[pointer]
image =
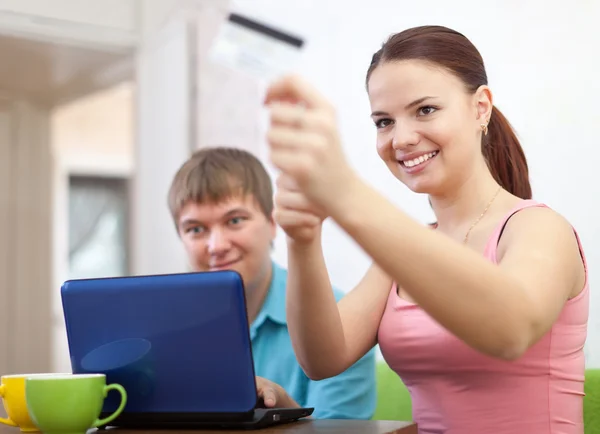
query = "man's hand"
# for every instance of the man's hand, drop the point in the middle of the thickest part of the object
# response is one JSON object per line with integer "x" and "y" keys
{"x": 273, "y": 395}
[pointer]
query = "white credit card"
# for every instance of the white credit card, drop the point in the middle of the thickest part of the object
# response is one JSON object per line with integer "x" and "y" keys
{"x": 255, "y": 48}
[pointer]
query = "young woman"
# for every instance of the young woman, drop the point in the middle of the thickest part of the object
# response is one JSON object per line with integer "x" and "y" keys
{"x": 484, "y": 314}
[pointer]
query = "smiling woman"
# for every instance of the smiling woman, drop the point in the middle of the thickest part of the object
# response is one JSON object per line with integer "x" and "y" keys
{"x": 484, "y": 317}
{"x": 438, "y": 118}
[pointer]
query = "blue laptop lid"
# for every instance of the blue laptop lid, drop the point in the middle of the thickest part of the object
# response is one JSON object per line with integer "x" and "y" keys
{"x": 178, "y": 343}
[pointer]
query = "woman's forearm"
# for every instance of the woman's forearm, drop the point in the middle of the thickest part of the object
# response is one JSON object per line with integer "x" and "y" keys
{"x": 314, "y": 321}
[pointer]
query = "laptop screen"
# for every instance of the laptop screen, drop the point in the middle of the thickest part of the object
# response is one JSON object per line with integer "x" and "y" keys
{"x": 178, "y": 343}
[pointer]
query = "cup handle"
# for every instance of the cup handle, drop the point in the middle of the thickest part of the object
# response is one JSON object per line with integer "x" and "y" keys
{"x": 6, "y": 421}
{"x": 118, "y": 411}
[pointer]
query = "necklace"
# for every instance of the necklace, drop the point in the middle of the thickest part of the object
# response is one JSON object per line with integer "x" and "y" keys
{"x": 481, "y": 215}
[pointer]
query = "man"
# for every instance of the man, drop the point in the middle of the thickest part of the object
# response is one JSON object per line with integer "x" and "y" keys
{"x": 221, "y": 201}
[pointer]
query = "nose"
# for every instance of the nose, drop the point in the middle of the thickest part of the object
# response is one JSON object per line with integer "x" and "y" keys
{"x": 218, "y": 244}
{"x": 405, "y": 136}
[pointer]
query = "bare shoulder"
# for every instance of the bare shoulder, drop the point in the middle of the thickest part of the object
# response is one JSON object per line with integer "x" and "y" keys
{"x": 537, "y": 224}
{"x": 539, "y": 235}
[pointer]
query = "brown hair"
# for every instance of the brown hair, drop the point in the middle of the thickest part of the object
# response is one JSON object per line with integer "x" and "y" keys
{"x": 452, "y": 51}
{"x": 212, "y": 175}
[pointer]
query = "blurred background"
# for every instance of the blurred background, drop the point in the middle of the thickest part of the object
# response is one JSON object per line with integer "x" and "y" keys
{"x": 102, "y": 100}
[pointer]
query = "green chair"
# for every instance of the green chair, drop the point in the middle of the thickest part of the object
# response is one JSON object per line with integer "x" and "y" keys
{"x": 393, "y": 399}
{"x": 591, "y": 402}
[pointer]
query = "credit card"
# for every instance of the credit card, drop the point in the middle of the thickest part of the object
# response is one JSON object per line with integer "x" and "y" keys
{"x": 256, "y": 48}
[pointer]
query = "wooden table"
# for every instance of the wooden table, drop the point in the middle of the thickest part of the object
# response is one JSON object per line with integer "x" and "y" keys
{"x": 328, "y": 426}
{"x": 301, "y": 427}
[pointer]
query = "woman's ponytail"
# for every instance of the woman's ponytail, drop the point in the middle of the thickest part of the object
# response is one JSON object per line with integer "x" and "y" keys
{"x": 505, "y": 157}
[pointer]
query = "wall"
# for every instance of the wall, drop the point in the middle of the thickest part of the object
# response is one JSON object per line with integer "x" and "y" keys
{"x": 96, "y": 133}
{"x": 163, "y": 142}
{"x": 25, "y": 236}
{"x": 109, "y": 23}
{"x": 117, "y": 14}
{"x": 91, "y": 136}
{"x": 227, "y": 100}
{"x": 543, "y": 80}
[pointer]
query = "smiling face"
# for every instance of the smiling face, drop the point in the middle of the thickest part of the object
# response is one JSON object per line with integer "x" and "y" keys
{"x": 230, "y": 235}
{"x": 221, "y": 201}
{"x": 428, "y": 124}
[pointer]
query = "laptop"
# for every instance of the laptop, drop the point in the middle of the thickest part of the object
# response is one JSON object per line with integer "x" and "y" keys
{"x": 179, "y": 344}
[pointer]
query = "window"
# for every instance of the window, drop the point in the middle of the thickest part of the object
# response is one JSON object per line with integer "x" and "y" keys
{"x": 98, "y": 227}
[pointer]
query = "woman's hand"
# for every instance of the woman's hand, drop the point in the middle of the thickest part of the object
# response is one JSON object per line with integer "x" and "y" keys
{"x": 300, "y": 220}
{"x": 273, "y": 395}
{"x": 304, "y": 142}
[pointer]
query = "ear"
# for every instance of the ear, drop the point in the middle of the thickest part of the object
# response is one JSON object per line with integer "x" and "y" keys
{"x": 273, "y": 225}
{"x": 484, "y": 103}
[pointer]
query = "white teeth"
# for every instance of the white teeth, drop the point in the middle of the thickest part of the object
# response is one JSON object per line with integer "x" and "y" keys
{"x": 419, "y": 160}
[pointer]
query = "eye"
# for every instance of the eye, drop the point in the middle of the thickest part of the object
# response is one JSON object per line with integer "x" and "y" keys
{"x": 426, "y": 110}
{"x": 194, "y": 230}
{"x": 382, "y": 123}
{"x": 235, "y": 221}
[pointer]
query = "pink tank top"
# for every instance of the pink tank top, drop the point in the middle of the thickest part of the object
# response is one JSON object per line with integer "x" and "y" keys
{"x": 457, "y": 390}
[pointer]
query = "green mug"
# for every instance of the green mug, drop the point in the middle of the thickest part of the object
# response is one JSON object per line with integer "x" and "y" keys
{"x": 70, "y": 404}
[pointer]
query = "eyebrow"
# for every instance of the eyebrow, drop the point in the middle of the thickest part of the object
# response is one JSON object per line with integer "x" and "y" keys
{"x": 407, "y": 107}
{"x": 189, "y": 222}
{"x": 238, "y": 210}
{"x": 193, "y": 221}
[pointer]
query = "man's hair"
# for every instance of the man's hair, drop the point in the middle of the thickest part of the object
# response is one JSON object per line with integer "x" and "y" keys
{"x": 216, "y": 174}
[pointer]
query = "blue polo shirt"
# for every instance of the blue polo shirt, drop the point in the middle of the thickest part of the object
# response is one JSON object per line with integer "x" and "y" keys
{"x": 350, "y": 395}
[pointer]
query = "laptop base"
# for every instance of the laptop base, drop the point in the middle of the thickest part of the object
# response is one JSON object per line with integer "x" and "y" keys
{"x": 258, "y": 419}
